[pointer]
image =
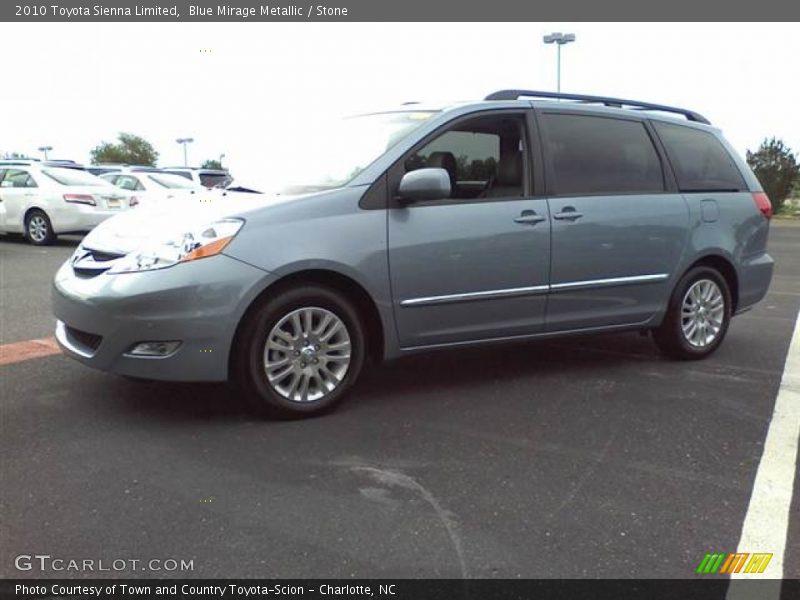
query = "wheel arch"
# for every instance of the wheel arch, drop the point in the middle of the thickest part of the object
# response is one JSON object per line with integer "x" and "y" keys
{"x": 724, "y": 266}
{"x": 347, "y": 286}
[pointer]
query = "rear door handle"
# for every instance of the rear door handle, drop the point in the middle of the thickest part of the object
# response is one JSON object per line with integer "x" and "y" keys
{"x": 568, "y": 213}
{"x": 529, "y": 217}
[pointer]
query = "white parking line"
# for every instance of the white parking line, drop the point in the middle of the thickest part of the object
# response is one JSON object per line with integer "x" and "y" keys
{"x": 766, "y": 524}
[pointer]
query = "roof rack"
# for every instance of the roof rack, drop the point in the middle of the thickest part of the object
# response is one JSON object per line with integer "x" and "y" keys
{"x": 606, "y": 101}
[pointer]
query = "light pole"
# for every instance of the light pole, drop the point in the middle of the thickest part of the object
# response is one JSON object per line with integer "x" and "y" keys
{"x": 221, "y": 156}
{"x": 185, "y": 141}
{"x": 45, "y": 149}
{"x": 560, "y": 39}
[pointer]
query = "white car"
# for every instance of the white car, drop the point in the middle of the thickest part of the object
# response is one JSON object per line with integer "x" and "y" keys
{"x": 42, "y": 201}
{"x": 154, "y": 187}
{"x": 209, "y": 178}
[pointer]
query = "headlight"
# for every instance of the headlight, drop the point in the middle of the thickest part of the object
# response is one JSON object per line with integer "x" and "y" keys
{"x": 200, "y": 242}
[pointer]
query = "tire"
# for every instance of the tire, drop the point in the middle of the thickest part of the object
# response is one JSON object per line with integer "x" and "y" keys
{"x": 38, "y": 229}
{"x": 309, "y": 373}
{"x": 696, "y": 302}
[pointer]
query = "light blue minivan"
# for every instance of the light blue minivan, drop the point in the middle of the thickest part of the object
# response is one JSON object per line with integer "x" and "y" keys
{"x": 522, "y": 216}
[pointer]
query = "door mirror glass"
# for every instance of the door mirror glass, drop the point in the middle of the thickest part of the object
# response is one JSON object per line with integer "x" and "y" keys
{"x": 425, "y": 184}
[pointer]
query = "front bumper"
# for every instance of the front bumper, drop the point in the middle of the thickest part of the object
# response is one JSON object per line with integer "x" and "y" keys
{"x": 199, "y": 303}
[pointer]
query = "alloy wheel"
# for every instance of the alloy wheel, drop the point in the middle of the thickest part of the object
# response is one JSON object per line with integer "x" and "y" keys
{"x": 37, "y": 228}
{"x": 702, "y": 313}
{"x": 307, "y": 354}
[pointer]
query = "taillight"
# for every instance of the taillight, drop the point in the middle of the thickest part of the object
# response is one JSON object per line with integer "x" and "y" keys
{"x": 80, "y": 199}
{"x": 134, "y": 201}
{"x": 763, "y": 204}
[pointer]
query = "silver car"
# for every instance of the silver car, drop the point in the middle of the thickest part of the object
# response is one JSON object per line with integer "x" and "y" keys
{"x": 514, "y": 218}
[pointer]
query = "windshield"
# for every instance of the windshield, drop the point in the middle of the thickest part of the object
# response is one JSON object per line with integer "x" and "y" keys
{"x": 330, "y": 156}
{"x": 74, "y": 177}
{"x": 168, "y": 180}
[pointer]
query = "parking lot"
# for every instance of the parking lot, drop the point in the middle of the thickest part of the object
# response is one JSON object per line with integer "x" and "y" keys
{"x": 587, "y": 457}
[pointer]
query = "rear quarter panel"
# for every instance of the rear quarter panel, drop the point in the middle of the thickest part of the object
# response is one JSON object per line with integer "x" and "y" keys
{"x": 730, "y": 225}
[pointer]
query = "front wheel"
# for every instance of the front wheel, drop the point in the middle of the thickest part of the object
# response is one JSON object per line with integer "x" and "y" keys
{"x": 698, "y": 315}
{"x": 299, "y": 352}
{"x": 38, "y": 229}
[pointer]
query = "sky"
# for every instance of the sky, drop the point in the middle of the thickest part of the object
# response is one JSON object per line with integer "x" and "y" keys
{"x": 242, "y": 89}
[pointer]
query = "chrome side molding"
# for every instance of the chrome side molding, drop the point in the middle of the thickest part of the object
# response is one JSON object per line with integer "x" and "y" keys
{"x": 534, "y": 290}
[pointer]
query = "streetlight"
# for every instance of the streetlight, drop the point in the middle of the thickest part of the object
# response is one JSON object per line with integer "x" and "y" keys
{"x": 185, "y": 141}
{"x": 221, "y": 156}
{"x": 45, "y": 149}
{"x": 561, "y": 39}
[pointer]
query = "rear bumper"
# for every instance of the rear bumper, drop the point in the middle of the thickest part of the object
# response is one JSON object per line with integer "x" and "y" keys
{"x": 755, "y": 275}
{"x": 199, "y": 304}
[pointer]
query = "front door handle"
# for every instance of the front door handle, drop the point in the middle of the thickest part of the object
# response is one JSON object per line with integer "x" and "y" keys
{"x": 529, "y": 217}
{"x": 568, "y": 213}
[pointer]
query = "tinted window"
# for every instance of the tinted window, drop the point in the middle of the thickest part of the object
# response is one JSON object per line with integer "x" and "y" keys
{"x": 700, "y": 161}
{"x": 214, "y": 179}
{"x": 597, "y": 155}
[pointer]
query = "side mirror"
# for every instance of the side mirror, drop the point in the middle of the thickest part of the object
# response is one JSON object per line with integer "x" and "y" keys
{"x": 425, "y": 184}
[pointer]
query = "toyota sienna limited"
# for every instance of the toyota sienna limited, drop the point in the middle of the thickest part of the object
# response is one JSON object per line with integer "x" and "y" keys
{"x": 523, "y": 216}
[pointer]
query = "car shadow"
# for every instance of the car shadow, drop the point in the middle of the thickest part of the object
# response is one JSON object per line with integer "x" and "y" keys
{"x": 62, "y": 241}
{"x": 448, "y": 373}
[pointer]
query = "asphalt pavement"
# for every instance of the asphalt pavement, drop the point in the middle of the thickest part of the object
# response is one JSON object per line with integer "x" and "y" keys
{"x": 581, "y": 457}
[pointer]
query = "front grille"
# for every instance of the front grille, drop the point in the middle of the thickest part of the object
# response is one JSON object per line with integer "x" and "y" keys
{"x": 89, "y": 262}
{"x": 90, "y": 341}
{"x": 100, "y": 256}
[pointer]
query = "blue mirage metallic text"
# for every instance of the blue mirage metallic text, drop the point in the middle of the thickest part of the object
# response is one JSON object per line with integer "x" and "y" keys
{"x": 267, "y": 10}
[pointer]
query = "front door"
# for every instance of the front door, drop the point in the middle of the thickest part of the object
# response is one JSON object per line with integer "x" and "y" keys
{"x": 474, "y": 265}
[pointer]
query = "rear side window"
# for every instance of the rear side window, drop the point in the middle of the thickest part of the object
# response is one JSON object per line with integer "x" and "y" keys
{"x": 700, "y": 161}
{"x": 600, "y": 155}
{"x": 16, "y": 178}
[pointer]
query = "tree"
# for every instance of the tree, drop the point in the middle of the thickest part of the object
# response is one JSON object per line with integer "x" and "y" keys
{"x": 131, "y": 150}
{"x": 776, "y": 168}
{"x": 211, "y": 164}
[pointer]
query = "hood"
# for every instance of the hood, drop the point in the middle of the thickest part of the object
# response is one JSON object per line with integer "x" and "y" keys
{"x": 128, "y": 231}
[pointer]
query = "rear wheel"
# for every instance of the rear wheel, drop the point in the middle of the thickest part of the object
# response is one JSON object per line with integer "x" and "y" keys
{"x": 299, "y": 352}
{"x": 38, "y": 229}
{"x": 698, "y": 316}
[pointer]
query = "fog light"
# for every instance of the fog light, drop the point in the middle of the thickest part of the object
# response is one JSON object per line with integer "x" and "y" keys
{"x": 154, "y": 348}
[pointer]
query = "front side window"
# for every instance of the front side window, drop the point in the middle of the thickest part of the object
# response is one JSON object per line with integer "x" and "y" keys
{"x": 485, "y": 157}
{"x": 700, "y": 161}
{"x": 600, "y": 155}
